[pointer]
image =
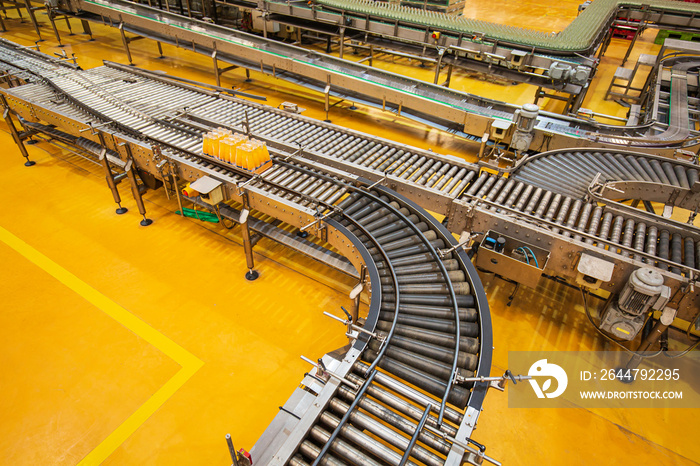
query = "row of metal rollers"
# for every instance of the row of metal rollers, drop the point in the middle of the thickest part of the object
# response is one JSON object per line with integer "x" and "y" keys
{"x": 140, "y": 113}
{"x": 134, "y": 101}
{"x": 419, "y": 168}
{"x": 609, "y": 229}
{"x": 420, "y": 353}
{"x": 572, "y": 172}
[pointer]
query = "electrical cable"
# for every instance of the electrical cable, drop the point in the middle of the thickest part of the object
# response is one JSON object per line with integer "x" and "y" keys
{"x": 525, "y": 248}
{"x": 527, "y": 259}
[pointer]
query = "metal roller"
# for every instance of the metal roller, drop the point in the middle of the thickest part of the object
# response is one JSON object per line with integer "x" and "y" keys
{"x": 297, "y": 460}
{"x": 389, "y": 224}
{"x": 605, "y": 229}
{"x": 659, "y": 171}
{"x": 458, "y": 396}
{"x": 364, "y": 441}
{"x": 437, "y": 312}
{"x": 639, "y": 170}
{"x": 682, "y": 176}
{"x": 523, "y": 198}
{"x": 533, "y": 201}
{"x": 455, "y": 276}
{"x": 449, "y": 265}
{"x": 402, "y": 234}
{"x": 650, "y": 247}
{"x": 616, "y": 231}
{"x": 676, "y": 252}
{"x": 514, "y": 194}
{"x": 465, "y": 359}
{"x": 461, "y": 180}
{"x": 689, "y": 252}
{"x": 474, "y": 188}
{"x": 399, "y": 404}
{"x": 392, "y": 418}
{"x": 468, "y": 344}
{"x": 416, "y": 361}
{"x": 563, "y": 210}
{"x": 410, "y": 170}
{"x": 628, "y": 236}
{"x": 664, "y": 246}
{"x": 463, "y": 301}
{"x": 505, "y": 191}
{"x": 639, "y": 238}
{"x": 415, "y": 249}
{"x": 367, "y": 423}
{"x": 486, "y": 187}
{"x": 461, "y": 288}
{"x": 692, "y": 177}
{"x": 346, "y": 451}
{"x": 422, "y": 168}
{"x": 595, "y": 222}
{"x": 430, "y": 235}
{"x": 467, "y": 329}
{"x": 424, "y": 257}
{"x": 449, "y": 175}
{"x": 544, "y": 202}
{"x": 670, "y": 173}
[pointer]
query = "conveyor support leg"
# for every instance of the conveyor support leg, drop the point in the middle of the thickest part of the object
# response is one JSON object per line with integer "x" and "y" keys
{"x": 110, "y": 180}
{"x": 248, "y": 247}
{"x": 86, "y": 28}
{"x": 32, "y": 17}
{"x": 130, "y": 170}
{"x": 7, "y": 115}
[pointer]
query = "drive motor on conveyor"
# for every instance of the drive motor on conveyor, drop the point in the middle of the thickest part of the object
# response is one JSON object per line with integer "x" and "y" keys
{"x": 644, "y": 291}
{"x": 525, "y": 119}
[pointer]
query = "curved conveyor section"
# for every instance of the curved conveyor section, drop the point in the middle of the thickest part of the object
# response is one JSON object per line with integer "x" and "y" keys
{"x": 428, "y": 317}
{"x": 570, "y": 172}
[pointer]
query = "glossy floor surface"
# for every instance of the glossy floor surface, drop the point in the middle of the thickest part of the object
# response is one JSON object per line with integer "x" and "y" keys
{"x": 130, "y": 345}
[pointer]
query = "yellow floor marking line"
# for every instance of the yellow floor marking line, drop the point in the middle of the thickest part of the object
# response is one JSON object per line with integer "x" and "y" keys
{"x": 190, "y": 363}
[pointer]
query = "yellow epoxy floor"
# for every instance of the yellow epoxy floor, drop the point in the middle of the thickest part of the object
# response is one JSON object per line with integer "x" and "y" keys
{"x": 74, "y": 374}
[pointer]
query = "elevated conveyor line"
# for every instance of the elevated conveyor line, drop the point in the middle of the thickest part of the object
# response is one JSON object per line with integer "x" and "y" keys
{"x": 441, "y": 107}
{"x": 582, "y": 36}
{"x": 427, "y": 325}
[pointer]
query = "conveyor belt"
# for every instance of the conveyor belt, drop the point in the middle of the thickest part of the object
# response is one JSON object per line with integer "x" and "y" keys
{"x": 570, "y": 172}
{"x": 580, "y": 36}
{"x": 428, "y": 316}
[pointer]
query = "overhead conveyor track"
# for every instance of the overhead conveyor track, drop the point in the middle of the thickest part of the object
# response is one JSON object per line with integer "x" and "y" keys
{"x": 427, "y": 323}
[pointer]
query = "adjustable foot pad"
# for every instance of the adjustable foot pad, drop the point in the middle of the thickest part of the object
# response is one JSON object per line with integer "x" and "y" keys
{"x": 29, "y": 163}
{"x": 121, "y": 210}
{"x": 145, "y": 222}
{"x": 251, "y": 275}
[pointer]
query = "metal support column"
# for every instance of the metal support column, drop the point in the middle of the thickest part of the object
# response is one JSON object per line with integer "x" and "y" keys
{"x": 52, "y": 20}
{"x": 247, "y": 244}
{"x": 130, "y": 170}
{"x": 86, "y": 28}
{"x": 160, "y": 49}
{"x": 664, "y": 322}
{"x": 19, "y": 140}
{"x": 125, "y": 41}
{"x": 110, "y": 178}
{"x": 32, "y": 17}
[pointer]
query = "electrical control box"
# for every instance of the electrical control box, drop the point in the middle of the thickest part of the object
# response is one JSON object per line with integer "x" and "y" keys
{"x": 210, "y": 189}
{"x": 511, "y": 258}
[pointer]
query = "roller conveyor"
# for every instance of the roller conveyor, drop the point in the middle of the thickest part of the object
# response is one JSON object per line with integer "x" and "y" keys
{"x": 571, "y": 173}
{"x": 428, "y": 318}
{"x": 569, "y": 215}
